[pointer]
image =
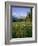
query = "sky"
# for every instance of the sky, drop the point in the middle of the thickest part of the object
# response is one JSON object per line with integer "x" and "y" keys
{"x": 20, "y": 12}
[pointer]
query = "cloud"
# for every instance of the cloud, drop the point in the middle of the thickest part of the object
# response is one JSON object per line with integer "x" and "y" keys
{"x": 22, "y": 15}
{"x": 19, "y": 15}
{"x": 13, "y": 14}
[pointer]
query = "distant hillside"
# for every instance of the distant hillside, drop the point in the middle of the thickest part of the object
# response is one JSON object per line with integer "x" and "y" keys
{"x": 18, "y": 19}
{"x": 22, "y": 18}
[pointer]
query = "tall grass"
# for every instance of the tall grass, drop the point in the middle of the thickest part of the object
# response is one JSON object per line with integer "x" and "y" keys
{"x": 21, "y": 29}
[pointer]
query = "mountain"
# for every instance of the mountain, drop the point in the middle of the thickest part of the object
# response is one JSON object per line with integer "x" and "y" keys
{"x": 20, "y": 18}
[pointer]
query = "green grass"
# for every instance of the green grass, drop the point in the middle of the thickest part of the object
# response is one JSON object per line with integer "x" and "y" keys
{"x": 21, "y": 29}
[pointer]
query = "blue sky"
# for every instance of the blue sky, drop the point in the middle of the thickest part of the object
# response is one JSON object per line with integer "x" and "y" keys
{"x": 20, "y": 12}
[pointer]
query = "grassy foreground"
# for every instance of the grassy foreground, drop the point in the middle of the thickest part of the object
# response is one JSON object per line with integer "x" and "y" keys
{"x": 21, "y": 29}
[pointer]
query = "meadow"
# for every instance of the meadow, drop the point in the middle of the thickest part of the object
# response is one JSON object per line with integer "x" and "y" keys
{"x": 21, "y": 29}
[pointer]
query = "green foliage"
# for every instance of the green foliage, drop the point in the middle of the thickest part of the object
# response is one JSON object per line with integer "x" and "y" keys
{"x": 21, "y": 29}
